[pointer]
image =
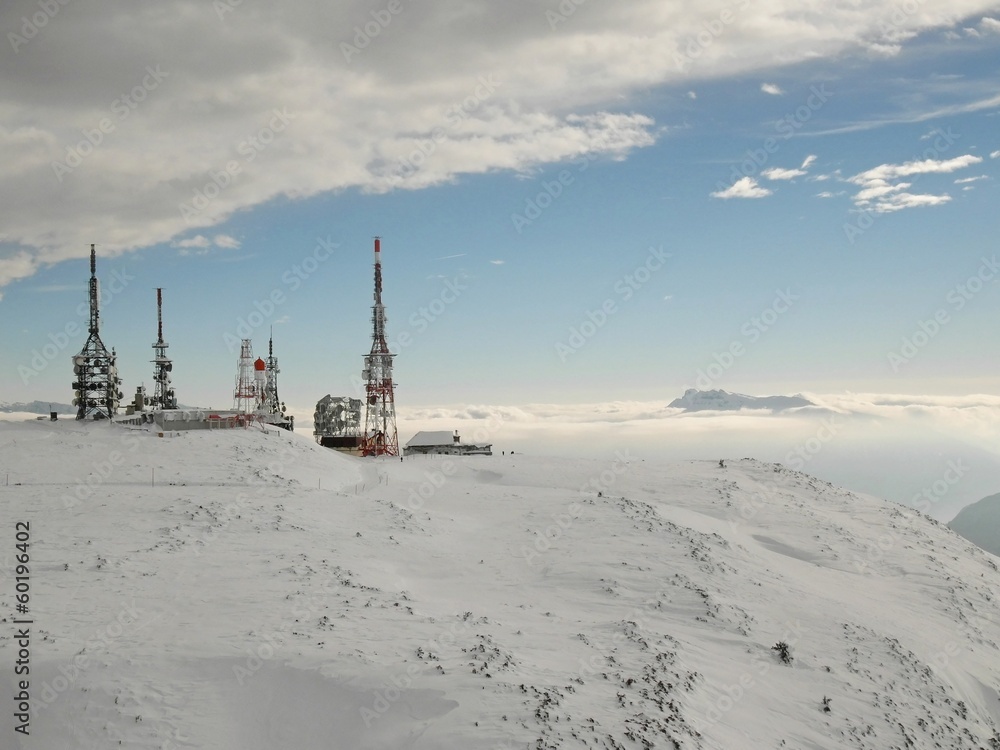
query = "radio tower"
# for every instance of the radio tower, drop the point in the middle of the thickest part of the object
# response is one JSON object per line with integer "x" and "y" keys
{"x": 246, "y": 394}
{"x": 97, "y": 381}
{"x": 163, "y": 393}
{"x": 273, "y": 409}
{"x": 379, "y": 437}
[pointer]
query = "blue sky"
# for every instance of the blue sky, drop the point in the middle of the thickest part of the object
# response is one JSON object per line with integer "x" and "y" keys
{"x": 633, "y": 146}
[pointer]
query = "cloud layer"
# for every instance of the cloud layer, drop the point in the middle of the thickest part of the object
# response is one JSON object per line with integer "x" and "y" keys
{"x": 135, "y": 125}
{"x": 896, "y": 446}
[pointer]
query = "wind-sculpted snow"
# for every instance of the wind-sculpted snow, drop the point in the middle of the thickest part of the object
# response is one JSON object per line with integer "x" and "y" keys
{"x": 247, "y": 590}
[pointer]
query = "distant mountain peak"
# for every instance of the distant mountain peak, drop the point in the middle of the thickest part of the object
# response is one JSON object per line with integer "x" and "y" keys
{"x": 36, "y": 407}
{"x": 719, "y": 400}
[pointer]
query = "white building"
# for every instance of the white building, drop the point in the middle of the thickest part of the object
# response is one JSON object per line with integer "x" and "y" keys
{"x": 446, "y": 443}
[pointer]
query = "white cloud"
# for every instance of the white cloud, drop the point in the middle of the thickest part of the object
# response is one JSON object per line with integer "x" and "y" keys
{"x": 225, "y": 241}
{"x": 965, "y": 180}
{"x": 828, "y": 194}
{"x": 899, "y": 201}
{"x": 256, "y": 88}
{"x": 777, "y": 173}
{"x": 891, "y": 445}
{"x": 990, "y": 25}
{"x": 995, "y": 154}
{"x": 924, "y": 166}
{"x": 201, "y": 245}
{"x": 883, "y": 193}
{"x": 808, "y": 161}
{"x": 198, "y": 241}
{"x": 746, "y": 187}
{"x": 772, "y": 89}
{"x": 498, "y": 262}
{"x": 692, "y": 95}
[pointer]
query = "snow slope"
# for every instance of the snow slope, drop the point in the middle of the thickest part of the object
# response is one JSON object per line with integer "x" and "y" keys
{"x": 254, "y": 591}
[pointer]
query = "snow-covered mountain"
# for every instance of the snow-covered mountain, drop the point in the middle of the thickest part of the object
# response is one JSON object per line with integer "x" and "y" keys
{"x": 36, "y": 407}
{"x": 719, "y": 400}
{"x": 980, "y": 523}
{"x": 250, "y": 590}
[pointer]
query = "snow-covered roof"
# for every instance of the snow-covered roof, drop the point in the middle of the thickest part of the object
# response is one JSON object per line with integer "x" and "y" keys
{"x": 432, "y": 437}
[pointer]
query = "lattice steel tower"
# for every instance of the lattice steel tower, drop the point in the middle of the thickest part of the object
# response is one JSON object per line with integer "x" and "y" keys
{"x": 248, "y": 391}
{"x": 379, "y": 438}
{"x": 271, "y": 404}
{"x": 163, "y": 393}
{"x": 97, "y": 383}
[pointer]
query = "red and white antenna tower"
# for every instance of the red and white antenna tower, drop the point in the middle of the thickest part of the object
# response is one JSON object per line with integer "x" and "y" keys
{"x": 379, "y": 438}
{"x": 245, "y": 396}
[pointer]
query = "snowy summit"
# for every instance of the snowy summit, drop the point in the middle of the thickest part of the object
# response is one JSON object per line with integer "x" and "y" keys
{"x": 253, "y": 591}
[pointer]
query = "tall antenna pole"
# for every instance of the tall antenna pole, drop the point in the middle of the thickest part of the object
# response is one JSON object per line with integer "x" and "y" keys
{"x": 96, "y": 382}
{"x": 271, "y": 406}
{"x": 95, "y": 293}
{"x": 163, "y": 393}
{"x": 380, "y": 438}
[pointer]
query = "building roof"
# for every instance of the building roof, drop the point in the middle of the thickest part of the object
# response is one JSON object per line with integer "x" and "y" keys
{"x": 432, "y": 437}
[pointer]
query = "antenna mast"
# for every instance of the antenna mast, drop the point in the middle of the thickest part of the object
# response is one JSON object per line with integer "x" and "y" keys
{"x": 96, "y": 386}
{"x": 380, "y": 438}
{"x": 163, "y": 394}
